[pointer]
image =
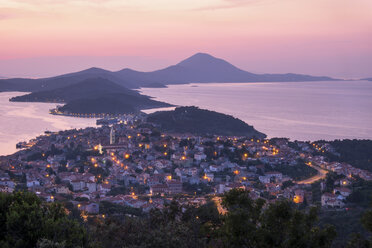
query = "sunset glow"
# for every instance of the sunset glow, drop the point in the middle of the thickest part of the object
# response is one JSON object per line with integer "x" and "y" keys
{"x": 256, "y": 35}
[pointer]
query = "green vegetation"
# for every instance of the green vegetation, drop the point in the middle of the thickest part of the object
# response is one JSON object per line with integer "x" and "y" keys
{"x": 297, "y": 172}
{"x": 247, "y": 224}
{"x": 330, "y": 180}
{"x": 109, "y": 208}
{"x": 358, "y": 153}
{"x": 89, "y": 88}
{"x": 362, "y": 193}
{"x": 203, "y": 122}
{"x": 94, "y": 96}
{"x": 198, "y": 189}
{"x": 26, "y": 221}
{"x": 346, "y": 223}
{"x": 118, "y": 190}
{"x": 111, "y": 104}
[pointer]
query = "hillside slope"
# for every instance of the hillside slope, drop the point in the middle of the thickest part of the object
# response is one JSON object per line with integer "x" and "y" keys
{"x": 95, "y": 95}
{"x": 200, "y": 121}
{"x": 89, "y": 88}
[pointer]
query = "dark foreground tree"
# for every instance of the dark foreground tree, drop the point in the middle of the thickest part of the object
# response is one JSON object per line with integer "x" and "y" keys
{"x": 250, "y": 223}
{"x": 26, "y": 221}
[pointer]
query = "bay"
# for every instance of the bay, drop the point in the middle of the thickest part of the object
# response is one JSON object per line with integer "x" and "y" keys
{"x": 21, "y": 121}
{"x": 298, "y": 110}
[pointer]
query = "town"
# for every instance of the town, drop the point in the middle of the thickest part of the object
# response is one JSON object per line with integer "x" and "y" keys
{"x": 131, "y": 163}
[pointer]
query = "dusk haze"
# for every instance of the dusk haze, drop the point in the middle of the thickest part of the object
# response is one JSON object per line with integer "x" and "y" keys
{"x": 186, "y": 124}
{"x": 319, "y": 37}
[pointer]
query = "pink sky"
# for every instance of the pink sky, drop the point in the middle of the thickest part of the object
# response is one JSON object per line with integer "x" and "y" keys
{"x": 319, "y": 37}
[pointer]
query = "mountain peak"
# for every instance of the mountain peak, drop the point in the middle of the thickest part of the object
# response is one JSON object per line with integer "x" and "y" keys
{"x": 198, "y": 58}
{"x": 207, "y": 63}
{"x": 94, "y": 70}
{"x": 202, "y": 55}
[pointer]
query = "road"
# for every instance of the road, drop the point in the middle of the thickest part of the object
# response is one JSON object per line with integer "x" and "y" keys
{"x": 321, "y": 175}
{"x": 220, "y": 208}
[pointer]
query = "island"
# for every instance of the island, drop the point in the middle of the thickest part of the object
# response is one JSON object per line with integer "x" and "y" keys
{"x": 93, "y": 97}
{"x": 202, "y": 122}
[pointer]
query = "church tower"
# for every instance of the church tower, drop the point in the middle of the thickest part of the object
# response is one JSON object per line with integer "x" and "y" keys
{"x": 112, "y": 136}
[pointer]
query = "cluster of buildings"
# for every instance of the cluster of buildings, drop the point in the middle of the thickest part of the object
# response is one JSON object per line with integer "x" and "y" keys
{"x": 135, "y": 165}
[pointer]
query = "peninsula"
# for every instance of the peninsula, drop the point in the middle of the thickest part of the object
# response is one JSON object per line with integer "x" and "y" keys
{"x": 202, "y": 122}
{"x": 93, "y": 96}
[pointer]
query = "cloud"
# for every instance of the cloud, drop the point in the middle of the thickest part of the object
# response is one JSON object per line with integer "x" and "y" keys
{"x": 229, "y": 4}
{"x": 4, "y": 16}
{"x": 7, "y": 13}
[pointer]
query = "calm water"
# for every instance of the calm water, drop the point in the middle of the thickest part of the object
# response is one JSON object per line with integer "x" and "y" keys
{"x": 24, "y": 121}
{"x": 302, "y": 111}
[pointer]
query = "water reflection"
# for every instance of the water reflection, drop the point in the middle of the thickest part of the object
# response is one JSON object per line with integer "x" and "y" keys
{"x": 24, "y": 121}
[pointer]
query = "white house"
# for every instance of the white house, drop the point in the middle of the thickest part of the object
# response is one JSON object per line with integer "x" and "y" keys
{"x": 345, "y": 192}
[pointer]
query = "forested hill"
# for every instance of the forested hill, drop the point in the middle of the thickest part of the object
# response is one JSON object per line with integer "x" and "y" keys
{"x": 89, "y": 88}
{"x": 200, "y": 121}
{"x": 94, "y": 96}
{"x": 358, "y": 153}
{"x": 112, "y": 104}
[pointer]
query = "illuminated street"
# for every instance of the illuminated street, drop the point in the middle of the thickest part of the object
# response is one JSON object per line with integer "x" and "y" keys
{"x": 321, "y": 175}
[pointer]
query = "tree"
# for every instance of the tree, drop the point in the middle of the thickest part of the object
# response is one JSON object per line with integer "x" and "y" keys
{"x": 357, "y": 241}
{"x": 288, "y": 183}
{"x": 108, "y": 163}
{"x": 248, "y": 224}
{"x": 26, "y": 221}
{"x": 241, "y": 221}
{"x": 118, "y": 190}
{"x": 45, "y": 243}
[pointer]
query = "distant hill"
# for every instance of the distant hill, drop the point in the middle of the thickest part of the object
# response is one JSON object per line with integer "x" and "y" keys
{"x": 20, "y": 84}
{"x": 43, "y": 84}
{"x": 89, "y": 88}
{"x": 199, "y": 68}
{"x": 112, "y": 104}
{"x": 204, "y": 68}
{"x": 368, "y": 79}
{"x": 199, "y": 121}
{"x": 95, "y": 95}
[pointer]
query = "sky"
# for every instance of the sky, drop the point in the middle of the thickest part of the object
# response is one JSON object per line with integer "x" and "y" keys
{"x": 319, "y": 37}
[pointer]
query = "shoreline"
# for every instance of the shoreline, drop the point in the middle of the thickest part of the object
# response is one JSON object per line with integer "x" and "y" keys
{"x": 24, "y": 121}
{"x": 253, "y": 82}
{"x": 86, "y": 117}
{"x": 311, "y": 116}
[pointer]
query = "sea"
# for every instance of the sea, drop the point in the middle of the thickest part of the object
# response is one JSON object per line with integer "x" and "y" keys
{"x": 305, "y": 111}
{"x": 24, "y": 121}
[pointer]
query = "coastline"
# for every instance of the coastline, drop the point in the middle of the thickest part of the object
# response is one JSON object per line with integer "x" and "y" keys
{"x": 63, "y": 122}
{"x": 306, "y": 111}
{"x": 24, "y": 121}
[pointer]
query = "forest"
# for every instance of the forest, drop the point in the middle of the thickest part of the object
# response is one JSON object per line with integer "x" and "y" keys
{"x": 27, "y": 221}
